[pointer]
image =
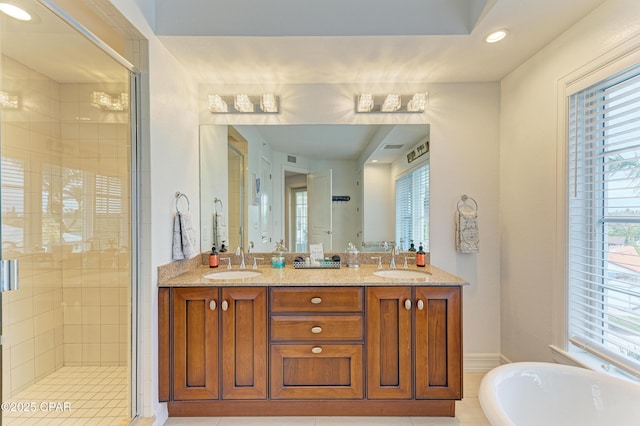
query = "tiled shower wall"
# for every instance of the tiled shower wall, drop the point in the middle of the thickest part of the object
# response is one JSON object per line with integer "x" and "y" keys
{"x": 65, "y": 215}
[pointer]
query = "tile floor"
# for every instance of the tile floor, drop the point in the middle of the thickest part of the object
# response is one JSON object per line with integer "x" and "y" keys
{"x": 72, "y": 396}
{"x": 468, "y": 413}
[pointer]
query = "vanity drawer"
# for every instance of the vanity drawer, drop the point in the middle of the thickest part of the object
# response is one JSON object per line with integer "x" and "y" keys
{"x": 317, "y": 327}
{"x": 317, "y": 299}
{"x": 316, "y": 372}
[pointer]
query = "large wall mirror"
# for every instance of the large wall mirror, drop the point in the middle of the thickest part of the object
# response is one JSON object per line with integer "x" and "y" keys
{"x": 335, "y": 184}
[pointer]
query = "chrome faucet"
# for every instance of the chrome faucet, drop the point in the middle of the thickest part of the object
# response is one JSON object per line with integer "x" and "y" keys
{"x": 240, "y": 251}
{"x": 228, "y": 259}
{"x": 394, "y": 251}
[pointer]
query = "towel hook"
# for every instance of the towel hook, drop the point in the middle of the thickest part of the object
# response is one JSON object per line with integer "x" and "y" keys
{"x": 181, "y": 195}
{"x": 463, "y": 202}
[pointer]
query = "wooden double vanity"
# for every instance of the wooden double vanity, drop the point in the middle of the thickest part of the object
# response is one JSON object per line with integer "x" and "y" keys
{"x": 311, "y": 343}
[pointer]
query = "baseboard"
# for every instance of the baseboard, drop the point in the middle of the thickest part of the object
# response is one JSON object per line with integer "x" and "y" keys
{"x": 482, "y": 362}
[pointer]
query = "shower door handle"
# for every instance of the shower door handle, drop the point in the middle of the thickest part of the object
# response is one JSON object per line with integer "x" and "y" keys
{"x": 8, "y": 275}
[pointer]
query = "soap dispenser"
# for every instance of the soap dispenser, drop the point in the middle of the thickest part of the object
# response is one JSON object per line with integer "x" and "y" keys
{"x": 412, "y": 247}
{"x": 214, "y": 258}
{"x": 421, "y": 257}
{"x": 352, "y": 256}
{"x": 277, "y": 257}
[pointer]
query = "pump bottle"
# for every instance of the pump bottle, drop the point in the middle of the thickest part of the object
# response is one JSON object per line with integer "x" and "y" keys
{"x": 214, "y": 258}
{"x": 421, "y": 257}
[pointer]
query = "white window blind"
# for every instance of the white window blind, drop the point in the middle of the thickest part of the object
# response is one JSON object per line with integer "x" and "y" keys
{"x": 412, "y": 208}
{"x": 604, "y": 220}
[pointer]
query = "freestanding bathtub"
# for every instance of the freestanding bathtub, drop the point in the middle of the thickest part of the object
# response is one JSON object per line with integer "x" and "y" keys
{"x": 545, "y": 394}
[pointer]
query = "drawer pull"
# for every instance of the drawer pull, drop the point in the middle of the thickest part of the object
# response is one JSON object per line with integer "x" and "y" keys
{"x": 316, "y": 330}
{"x": 407, "y": 304}
{"x": 212, "y": 305}
{"x": 316, "y": 300}
{"x": 225, "y": 305}
{"x": 420, "y": 305}
{"x": 316, "y": 350}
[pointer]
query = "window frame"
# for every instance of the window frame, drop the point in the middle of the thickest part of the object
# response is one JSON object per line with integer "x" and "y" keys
{"x": 606, "y": 65}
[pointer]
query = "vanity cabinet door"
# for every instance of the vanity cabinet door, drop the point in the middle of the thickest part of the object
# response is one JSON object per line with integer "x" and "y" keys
{"x": 438, "y": 347}
{"x": 389, "y": 342}
{"x": 195, "y": 343}
{"x": 244, "y": 342}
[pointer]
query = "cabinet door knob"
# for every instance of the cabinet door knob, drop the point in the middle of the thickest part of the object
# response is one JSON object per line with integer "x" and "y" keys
{"x": 407, "y": 304}
{"x": 420, "y": 304}
{"x": 316, "y": 330}
{"x": 212, "y": 305}
{"x": 316, "y": 300}
{"x": 316, "y": 350}
{"x": 225, "y": 305}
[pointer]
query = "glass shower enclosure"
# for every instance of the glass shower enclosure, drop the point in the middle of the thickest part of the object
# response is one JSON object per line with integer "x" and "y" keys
{"x": 66, "y": 214}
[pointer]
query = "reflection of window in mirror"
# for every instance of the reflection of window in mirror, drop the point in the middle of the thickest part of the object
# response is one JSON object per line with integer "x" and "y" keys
{"x": 412, "y": 208}
{"x": 299, "y": 210}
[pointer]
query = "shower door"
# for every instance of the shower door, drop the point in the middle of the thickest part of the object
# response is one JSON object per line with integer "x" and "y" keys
{"x": 66, "y": 209}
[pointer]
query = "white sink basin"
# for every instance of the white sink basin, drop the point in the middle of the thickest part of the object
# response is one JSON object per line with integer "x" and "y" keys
{"x": 238, "y": 274}
{"x": 407, "y": 274}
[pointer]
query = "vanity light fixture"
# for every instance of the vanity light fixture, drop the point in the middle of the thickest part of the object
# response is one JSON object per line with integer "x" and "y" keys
{"x": 496, "y": 36}
{"x": 392, "y": 102}
{"x": 8, "y": 101}
{"x": 109, "y": 102}
{"x": 244, "y": 104}
{"x": 15, "y": 12}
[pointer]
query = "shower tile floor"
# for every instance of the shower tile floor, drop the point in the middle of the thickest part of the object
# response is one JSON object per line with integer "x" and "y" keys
{"x": 73, "y": 396}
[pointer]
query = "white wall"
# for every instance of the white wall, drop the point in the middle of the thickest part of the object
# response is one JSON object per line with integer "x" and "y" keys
{"x": 529, "y": 129}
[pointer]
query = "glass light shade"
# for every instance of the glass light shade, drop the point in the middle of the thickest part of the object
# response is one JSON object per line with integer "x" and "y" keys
{"x": 365, "y": 102}
{"x": 217, "y": 104}
{"x": 418, "y": 103}
{"x": 391, "y": 103}
{"x": 269, "y": 102}
{"x": 242, "y": 103}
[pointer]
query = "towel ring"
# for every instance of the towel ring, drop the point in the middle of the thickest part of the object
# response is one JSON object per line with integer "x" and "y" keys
{"x": 181, "y": 195}
{"x": 463, "y": 201}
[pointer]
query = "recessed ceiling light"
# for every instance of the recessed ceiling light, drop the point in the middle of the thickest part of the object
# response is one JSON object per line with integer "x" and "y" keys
{"x": 15, "y": 12}
{"x": 496, "y": 36}
{"x": 374, "y": 161}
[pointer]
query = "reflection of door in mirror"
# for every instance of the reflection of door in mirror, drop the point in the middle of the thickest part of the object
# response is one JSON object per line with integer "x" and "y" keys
{"x": 320, "y": 213}
{"x": 296, "y": 211}
{"x": 237, "y": 169}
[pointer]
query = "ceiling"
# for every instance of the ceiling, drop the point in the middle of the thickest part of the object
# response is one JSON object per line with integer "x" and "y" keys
{"x": 382, "y": 143}
{"x": 359, "y": 41}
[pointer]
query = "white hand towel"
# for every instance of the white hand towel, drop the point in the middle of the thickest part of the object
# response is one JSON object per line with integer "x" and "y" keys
{"x": 220, "y": 228}
{"x": 188, "y": 236}
{"x": 184, "y": 243}
{"x": 467, "y": 235}
{"x": 176, "y": 248}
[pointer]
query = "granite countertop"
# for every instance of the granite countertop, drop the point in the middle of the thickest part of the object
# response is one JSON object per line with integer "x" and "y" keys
{"x": 289, "y": 276}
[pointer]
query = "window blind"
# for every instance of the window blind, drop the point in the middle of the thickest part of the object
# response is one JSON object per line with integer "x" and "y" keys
{"x": 412, "y": 208}
{"x": 604, "y": 220}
